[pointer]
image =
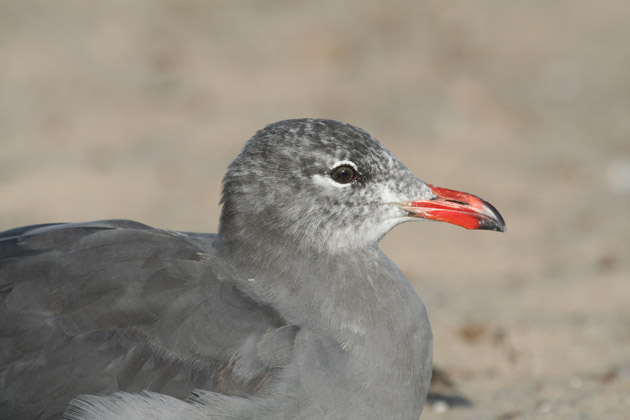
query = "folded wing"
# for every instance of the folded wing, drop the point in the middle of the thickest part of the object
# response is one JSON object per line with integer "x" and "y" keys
{"x": 101, "y": 307}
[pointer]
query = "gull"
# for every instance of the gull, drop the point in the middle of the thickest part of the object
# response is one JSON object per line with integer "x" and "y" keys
{"x": 290, "y": 311}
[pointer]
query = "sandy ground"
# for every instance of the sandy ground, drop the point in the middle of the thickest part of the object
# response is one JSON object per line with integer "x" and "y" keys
{"x": 124, "y": 109}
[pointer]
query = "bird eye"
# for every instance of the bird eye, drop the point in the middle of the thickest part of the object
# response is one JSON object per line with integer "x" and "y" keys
{"x": 344, "y": 174}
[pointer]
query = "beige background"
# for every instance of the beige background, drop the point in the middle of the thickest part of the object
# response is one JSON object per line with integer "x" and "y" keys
{"x": 133, "y": 109}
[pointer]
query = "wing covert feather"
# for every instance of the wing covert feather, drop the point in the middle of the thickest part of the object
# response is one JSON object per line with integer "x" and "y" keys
{"x": 114, "y": 305}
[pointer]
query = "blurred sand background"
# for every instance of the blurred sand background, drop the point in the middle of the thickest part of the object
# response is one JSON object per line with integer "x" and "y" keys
{"x": 133, "y": 109}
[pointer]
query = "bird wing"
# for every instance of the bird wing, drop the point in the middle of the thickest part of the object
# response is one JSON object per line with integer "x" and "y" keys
{"x": 116, "y": 305}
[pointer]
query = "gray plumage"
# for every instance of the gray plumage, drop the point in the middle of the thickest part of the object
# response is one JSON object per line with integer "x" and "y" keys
{"x": 290, "y": 312}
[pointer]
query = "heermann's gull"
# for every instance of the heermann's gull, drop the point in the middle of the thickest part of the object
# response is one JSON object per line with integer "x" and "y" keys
{"x": 290, "y": 312}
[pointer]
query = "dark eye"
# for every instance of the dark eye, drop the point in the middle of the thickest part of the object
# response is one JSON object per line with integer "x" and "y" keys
{"x": 344, "y": 174}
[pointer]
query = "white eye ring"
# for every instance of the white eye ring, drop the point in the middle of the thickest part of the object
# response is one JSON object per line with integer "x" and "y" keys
{"x": 343, "y": 163}
{"x": 327, "y": 181}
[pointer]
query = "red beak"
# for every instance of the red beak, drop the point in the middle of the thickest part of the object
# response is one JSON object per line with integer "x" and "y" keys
{"x": 458, "y": 208}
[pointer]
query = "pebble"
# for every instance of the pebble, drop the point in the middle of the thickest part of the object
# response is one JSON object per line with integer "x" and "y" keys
{"x": 618, "y": 174}
{"x": 575, "y": 382}
{"x": 440, "y": 406}
{"x": 544, "y": 407}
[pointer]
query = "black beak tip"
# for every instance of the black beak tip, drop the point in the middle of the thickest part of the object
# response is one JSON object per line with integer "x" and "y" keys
{"x": 494, "y": 221}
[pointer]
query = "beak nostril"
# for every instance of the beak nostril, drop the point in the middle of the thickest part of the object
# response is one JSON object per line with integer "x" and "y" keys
{"x": 463, "y": 203}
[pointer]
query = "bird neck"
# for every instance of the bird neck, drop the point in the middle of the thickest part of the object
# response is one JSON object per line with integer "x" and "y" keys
{"x": 356, "y": 291}
{"x": 360, "y": 300}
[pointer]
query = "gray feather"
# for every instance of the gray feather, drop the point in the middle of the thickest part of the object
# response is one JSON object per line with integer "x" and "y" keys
{"x": 141, "y": 307}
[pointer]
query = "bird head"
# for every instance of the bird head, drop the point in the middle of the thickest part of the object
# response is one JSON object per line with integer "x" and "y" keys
{"x": 330, "y": 186}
